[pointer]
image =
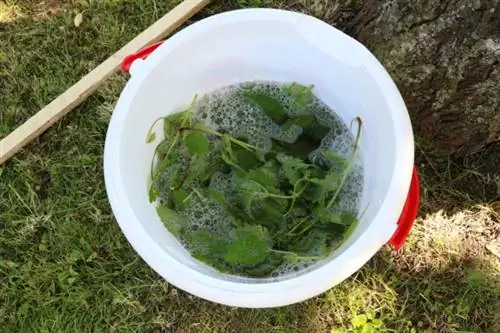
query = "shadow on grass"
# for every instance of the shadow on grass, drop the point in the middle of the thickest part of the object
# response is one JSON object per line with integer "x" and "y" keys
{"x": 382, "y": 297}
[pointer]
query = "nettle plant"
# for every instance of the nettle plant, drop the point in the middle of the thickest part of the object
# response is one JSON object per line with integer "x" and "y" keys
{"x": 245, "y": 210}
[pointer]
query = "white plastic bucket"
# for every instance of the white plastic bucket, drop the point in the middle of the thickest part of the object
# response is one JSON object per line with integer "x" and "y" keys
{"x": 259, "y": 44}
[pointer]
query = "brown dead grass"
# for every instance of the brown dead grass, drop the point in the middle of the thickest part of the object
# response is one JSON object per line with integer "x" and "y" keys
{"x": 439, "y": 238}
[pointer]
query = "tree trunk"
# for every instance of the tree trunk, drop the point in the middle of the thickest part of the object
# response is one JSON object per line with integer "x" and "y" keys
{"x": 443, "y": 55}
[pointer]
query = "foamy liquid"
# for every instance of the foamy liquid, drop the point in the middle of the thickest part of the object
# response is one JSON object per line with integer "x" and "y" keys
{"x": 227, "y": 111}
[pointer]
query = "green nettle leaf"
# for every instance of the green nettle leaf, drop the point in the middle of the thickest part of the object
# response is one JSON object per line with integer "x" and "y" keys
{"x": 217, "y": 196}
{"x": 179, "y": 198}
{"x": 172, "y": 221}
{"x": 291, "y": 167}
{"x": 264, "y": 176}
{"x": 271, "y": 263}
{"x": 197, "y": 143}
{"x": 313, "y": 243}
{"x": 316, "y": 132}
{"x": 198, "y": 169}
{"x": 246, "y": 159}
{"x": 329, "y": 183}
{"x": 210, "y": 165}
{"x": 275, "y": 206}
{"x": 302, "y": 95}
{"x": 269, "y": 105}
{"x": 301, "y": 148}
{"x": 302, "y": 121}
{"x": 172, "y": 123}
{"x": 334, "y": 159}
{"x": 151, "y": 137}
{"x": 204, "y": 244}
{"x": 163, "y": 148}
{"x": 315, "y": 194}
{"x": 325, "y": 216}
{"x": 229, "y": 156}
{"x": 250, "y": 191}
{"x": 273, "y": 210}
{"x": 348, "y": 219}
{"x": 261, "y": 155}
{"x": 250, "y": 246}
{"x": 208, "y": 249}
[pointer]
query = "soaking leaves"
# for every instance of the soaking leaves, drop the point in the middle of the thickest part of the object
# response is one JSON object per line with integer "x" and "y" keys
{"x": 247, "y": 159}
{"x": 217, "y": 196}
{"x": 240, "y": 206}
{"x": 269, "y": 105}
{"x": 250, "y": 246}
{"x": 264, "y": 176}
{"x": 173, "y": 221}
{"x": 302, "y": 95}
{"x": 197, "y": 143}
{"x": 292, "y": 168}
{"x": 179, "y": 199}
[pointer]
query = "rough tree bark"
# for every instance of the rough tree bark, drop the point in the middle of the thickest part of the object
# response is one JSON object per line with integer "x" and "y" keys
{"x": 443, "y": 55}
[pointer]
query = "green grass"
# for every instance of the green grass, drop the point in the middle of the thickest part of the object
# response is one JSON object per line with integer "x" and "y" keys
{"x": 66, "y": 267}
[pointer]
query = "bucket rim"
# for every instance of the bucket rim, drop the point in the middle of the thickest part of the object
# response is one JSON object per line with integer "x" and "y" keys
{"x": 266, "y": 294}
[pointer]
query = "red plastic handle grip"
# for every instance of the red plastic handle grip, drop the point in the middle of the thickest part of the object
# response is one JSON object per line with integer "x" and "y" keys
{"x": 408, "y": 215}
{"x": 142, "y": 54}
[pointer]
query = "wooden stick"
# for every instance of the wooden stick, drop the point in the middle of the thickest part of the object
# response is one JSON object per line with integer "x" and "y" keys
{"x": 72, "y": 97}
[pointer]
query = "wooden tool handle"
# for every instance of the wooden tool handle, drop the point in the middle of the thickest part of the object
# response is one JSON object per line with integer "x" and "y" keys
{"x": 72, "y": 97}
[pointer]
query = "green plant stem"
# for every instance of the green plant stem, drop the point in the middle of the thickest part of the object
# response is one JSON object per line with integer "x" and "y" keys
{"x": 313, "y": 222}
{"x": 187, "y": 119}
{"x": 289, "y": 233}
{"x": 150, "y": 131}
{"x": 296, "y": 194}
{"x": 347, "y": 170}
{"x": 195, "y": 191}
{"x": 207, "y": 130}
{"x": 186, "y": 174}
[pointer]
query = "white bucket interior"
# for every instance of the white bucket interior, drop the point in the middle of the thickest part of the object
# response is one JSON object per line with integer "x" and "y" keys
{"x": 346, "y": 77}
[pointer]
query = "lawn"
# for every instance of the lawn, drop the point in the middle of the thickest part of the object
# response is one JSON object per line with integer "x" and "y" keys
{"x": 66, "y": 267}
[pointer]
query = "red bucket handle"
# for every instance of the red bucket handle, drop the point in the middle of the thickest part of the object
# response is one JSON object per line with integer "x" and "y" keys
{"x": 141, "y": 54}
{"x": 408, "y": 215}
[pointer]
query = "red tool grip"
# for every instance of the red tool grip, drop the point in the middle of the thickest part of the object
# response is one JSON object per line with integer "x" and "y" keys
{"x": 142, "y": 54}
{"x": 408, "y": 215}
